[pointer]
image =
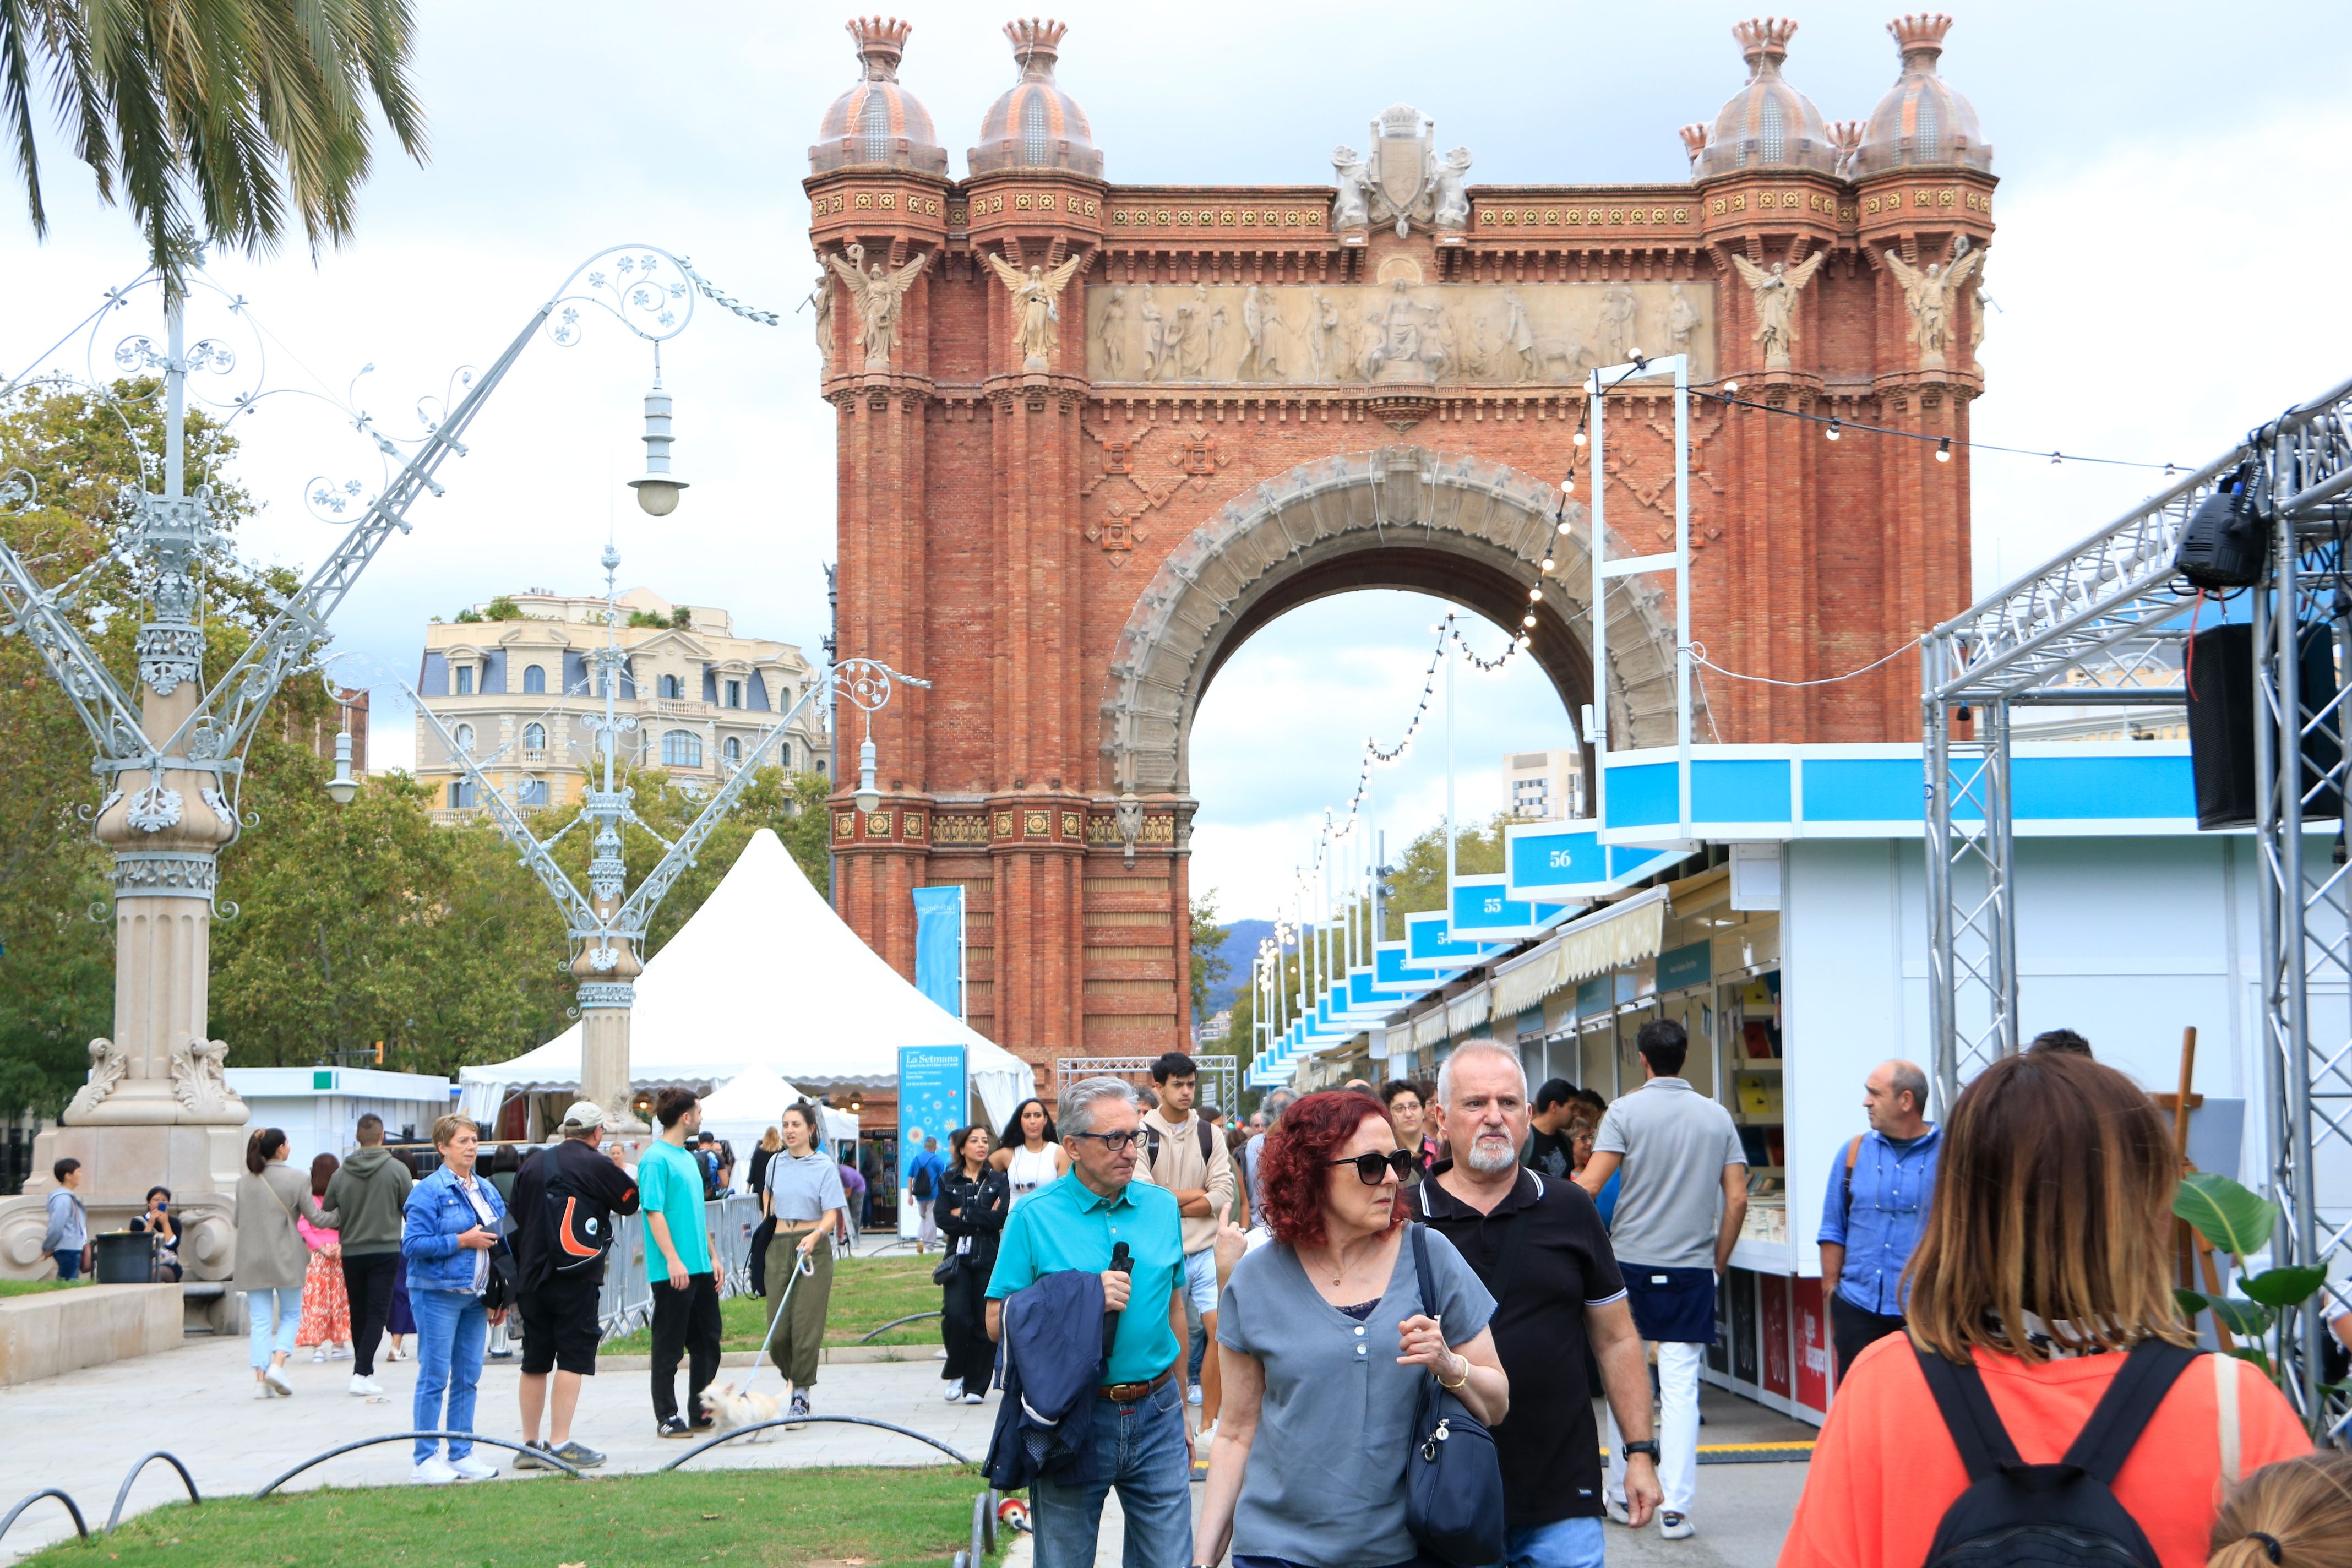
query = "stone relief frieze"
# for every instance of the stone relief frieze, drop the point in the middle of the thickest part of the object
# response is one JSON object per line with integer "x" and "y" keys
{"x": 1396, "y": 332}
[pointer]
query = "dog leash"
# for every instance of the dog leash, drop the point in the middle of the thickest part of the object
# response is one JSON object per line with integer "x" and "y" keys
{"x": 804, "y": 1265}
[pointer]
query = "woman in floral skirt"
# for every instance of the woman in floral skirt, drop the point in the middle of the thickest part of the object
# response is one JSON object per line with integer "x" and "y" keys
{"x": 326, "y": 1304}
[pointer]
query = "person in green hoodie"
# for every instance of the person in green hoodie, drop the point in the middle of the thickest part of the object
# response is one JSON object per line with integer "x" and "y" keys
{"x": 369, "y": 1192}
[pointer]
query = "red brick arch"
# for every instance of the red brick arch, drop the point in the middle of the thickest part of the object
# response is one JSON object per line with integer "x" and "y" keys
{"x": 1460, "y": 527}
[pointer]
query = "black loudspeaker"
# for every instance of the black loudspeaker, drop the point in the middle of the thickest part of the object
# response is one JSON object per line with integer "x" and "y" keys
{"x": 2227, "y": 544}
{"x": 2222, "y": 714}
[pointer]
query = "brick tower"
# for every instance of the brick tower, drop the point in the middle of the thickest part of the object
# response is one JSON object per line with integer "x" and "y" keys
{"x": 1093, "y": 436}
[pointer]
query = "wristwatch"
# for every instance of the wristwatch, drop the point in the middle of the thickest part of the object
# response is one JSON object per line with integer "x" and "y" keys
{"x": 1646, "y": 1446}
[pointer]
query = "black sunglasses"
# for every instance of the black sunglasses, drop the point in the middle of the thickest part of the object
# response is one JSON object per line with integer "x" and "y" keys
{"x": 1369, "y": 1166}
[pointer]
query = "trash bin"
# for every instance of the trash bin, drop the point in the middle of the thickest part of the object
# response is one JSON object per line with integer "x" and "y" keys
{"x": 125, "y": 1257}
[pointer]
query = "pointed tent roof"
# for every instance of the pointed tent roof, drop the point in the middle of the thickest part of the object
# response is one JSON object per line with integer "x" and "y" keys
{"x": 765, "y": 974}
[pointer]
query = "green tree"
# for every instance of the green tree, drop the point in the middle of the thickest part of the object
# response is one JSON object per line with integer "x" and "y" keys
{"x": 1209, "y": 964}
{"x": 234, "y": 106}
{"x": 1418, "y": 883}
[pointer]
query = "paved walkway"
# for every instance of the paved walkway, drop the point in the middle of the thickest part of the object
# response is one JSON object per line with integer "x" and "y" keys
{"x": 82, "y": 1432}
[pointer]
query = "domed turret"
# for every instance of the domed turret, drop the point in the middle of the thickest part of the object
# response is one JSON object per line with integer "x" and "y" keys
{"x": 877, "y": 123}
{"x": 1921, "y": 121}
{"x": 1036, "y": 125}
{"x": 1768, "y": 124}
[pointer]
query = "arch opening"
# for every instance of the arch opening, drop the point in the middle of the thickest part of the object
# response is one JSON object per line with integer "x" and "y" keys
{"x": 1461, "y": 527}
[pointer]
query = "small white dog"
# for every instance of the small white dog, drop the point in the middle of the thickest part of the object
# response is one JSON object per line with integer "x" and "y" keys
{"x": 731, "y": 1410}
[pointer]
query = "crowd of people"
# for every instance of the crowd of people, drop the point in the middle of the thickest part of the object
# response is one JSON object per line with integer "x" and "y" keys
{"x": 1535, "y": 1272}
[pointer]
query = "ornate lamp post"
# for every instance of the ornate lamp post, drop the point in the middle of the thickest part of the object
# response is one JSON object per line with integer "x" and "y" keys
{"x": 607, "y": 924}
{"x": 157, "y": 1107}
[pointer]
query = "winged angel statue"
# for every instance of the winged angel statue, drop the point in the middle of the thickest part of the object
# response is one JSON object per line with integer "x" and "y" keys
{"x": 1776, "y": 294}
{"x": 1929, "y": 290}
{"x": 1037, "y": 305}
{"x": 879, "y": 297}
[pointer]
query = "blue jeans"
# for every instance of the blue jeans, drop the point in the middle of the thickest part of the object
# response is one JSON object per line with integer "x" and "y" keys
{"x": 69, "y": 1264}
{"x": 451, "y": 1326}
{"x": 1562, "y": 1543}
{"x": 289, "y": 1300}
{"x": 1140, "y": 1448}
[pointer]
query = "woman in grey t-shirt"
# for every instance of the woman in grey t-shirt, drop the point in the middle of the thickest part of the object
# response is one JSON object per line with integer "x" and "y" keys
{"x": 1309, "y": 1459}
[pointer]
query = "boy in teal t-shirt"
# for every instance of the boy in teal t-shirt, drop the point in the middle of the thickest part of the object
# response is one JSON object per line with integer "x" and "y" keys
{"x": 678, "y": 1265}
{"x": 669, "y": 1183}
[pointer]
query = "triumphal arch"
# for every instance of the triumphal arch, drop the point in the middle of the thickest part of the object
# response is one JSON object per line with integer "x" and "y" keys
{"x": 1093, "y": 436}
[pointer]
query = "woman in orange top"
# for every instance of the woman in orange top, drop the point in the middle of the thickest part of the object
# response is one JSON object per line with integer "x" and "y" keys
{"x": 2046, "y": 1253}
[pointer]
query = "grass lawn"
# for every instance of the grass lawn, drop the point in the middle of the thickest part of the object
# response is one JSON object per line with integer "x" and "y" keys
{"x": 832, "y": 1519}
{"x": 35, "y": 1287}
{"x": 866, "y": 1293}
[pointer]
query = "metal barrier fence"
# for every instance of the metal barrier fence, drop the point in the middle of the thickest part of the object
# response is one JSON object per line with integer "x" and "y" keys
{"x": 627, "y": 1302}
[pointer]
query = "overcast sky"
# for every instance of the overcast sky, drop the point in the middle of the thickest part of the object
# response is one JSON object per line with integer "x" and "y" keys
{"x": 2166, "y": 268}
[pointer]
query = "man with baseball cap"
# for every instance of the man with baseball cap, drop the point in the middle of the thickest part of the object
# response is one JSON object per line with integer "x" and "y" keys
{"x": 565, "y": 1198}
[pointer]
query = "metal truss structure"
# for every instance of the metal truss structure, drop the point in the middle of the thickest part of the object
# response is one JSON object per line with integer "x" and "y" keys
{"x": 2105, "y": 624}
{"x": 1220, "y": 1076}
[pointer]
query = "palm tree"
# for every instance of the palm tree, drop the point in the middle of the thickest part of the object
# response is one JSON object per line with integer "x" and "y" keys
{"x": 238, "y": 104}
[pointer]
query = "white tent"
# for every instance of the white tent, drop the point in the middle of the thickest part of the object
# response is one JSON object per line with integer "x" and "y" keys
{"x": 765, "y": 975}
{"x": 752, "y": 1102}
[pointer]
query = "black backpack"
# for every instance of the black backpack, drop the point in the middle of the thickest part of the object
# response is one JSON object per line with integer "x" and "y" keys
{"x": 2047, "y": 1516}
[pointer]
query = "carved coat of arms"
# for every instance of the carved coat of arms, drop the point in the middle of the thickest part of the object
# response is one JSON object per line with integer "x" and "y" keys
{"x": 1402, "y": 181}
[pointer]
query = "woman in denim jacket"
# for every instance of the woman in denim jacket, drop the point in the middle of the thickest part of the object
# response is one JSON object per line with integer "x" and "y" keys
{"x": 453, "y": 1223}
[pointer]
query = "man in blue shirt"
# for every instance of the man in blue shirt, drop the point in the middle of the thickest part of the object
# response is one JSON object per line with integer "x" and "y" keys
{"x": 1141, "y": 1442}
{"x": 1878, "y": 1194}
{"x": 924, "y": 1173}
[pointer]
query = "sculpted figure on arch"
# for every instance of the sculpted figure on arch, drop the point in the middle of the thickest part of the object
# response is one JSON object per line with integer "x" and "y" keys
{"x": 1929, "y": 291}
{"x": 879, "y": 296}
{"x": 1036, "y": 304}
{"x": 1775, "y": 302}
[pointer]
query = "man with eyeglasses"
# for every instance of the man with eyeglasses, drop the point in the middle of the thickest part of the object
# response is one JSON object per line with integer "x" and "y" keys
{"x": 1140, "y": 1442}
{"x": 1537, "y": 1245}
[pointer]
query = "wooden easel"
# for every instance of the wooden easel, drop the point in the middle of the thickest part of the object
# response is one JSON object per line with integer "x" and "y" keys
{"x": 2194, "y": 1252}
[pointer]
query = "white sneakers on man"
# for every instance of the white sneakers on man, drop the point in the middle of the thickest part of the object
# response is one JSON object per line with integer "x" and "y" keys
{"x": 363, "y": 1386}
{"x": 1674, "y": 1526}
{"x": 432, "y": 1472}
{"x": 470, "y": 1468}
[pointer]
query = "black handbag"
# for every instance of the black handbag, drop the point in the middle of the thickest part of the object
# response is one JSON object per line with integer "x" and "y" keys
{"x": 1453, "y": 1480}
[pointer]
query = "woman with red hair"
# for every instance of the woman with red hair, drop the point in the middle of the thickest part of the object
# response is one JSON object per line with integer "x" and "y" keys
{"x": 1308, "y": 1464}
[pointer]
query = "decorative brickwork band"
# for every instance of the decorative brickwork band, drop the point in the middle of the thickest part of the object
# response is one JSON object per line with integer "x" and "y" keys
{"x": 163, "y": 874}
{"x": 605, "y": 993}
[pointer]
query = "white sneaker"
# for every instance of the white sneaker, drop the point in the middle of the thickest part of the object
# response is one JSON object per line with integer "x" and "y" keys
{"x": 263, "y": 1391}
{"x": 274, "y": 1376}
{"x": 470, "y": 1468}
{"x": 1674, "y": 1526}
{"x": 339, "y": 1353}
{"x": 318, "y": 1356}
{"x": 1193, "y": 1394}
{"x": 974, "y": 1399}
{"x": 1616, "y": 1511}
{"x": 432, "y": 1472}
{"x": 955, "y": 1393}
{"x": 363, "y": 1386}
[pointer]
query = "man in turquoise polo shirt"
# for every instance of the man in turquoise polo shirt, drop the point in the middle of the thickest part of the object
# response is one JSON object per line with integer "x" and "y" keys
{"x": 1141, "y": 1443}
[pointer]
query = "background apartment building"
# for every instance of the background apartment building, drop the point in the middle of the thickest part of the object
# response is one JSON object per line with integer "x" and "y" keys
{"x": 513, "y": 680}
{"x": 1545, "y": 785}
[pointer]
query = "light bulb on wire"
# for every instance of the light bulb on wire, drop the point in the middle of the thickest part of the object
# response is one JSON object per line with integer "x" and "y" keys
{"x": 1834, "y": 430}
{"x": 1578, "y": 437}
{"x": 1527, "y": 620}
{"x": 1944, "y": 450}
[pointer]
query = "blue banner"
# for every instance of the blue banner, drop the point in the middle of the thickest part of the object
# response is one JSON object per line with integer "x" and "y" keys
{"x": 931, "y": 1106}
{"x": 938, "y": 946}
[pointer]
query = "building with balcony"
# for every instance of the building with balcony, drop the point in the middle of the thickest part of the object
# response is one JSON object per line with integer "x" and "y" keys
{"x": 514, "y": 680}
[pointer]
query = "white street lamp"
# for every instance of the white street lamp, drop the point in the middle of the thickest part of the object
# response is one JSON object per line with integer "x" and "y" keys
{"x": 656, "y": 488}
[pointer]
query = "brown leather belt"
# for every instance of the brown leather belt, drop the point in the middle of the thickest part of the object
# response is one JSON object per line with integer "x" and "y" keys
{"x": 1128, "y": 1392}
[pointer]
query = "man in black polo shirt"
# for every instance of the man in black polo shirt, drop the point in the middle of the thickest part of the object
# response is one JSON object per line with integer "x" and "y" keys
{"x": 565, "y": 1198}
{"x": 1540, "y": 1246}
